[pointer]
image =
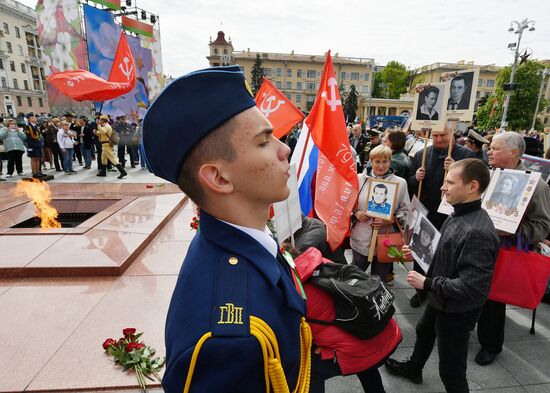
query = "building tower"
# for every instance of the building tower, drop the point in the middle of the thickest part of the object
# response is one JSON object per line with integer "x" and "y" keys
{"x": 221, "y": 51}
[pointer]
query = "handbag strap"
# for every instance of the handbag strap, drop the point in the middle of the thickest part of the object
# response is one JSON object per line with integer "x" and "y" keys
{"x": 395, "y": 221}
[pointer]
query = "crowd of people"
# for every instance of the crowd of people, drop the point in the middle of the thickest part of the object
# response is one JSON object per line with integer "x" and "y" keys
{"x": 236, "y": 319}
{"x": 63, "y": 144}
{"x": 457, "y": 282}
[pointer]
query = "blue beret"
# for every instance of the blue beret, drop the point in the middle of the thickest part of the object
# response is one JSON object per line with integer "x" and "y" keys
{"x": 30, "y": 114}
{"x": 186, "y": 111}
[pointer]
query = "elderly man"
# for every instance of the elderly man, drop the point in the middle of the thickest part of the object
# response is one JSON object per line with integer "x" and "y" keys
{"x": 358, "y": 141}
{"x": 432, "y": 180}
{"x": 505, "y": 152}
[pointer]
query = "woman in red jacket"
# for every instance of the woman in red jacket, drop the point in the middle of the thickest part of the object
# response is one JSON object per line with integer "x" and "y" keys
{"x": 338, "y": 352}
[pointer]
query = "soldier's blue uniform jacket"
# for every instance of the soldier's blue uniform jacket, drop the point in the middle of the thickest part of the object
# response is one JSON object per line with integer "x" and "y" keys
{"x": 226, "y": 277}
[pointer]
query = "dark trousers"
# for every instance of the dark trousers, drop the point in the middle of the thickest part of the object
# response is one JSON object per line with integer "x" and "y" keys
{"x": 99, "y": 149}
{"x": 77, "y": 153}
{"x": 322, "y": 370}
{"x": 56, "y": 153}
{"x": 453, "y": 333}
{"x": 133, "y": 150}
{"x": 121, "y": 150}
{"x": 15, "y": 158}
{"x": 490, "y": 327}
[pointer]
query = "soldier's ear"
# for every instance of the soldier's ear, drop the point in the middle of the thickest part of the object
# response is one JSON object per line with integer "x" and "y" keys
{"x": 212, "y": 178}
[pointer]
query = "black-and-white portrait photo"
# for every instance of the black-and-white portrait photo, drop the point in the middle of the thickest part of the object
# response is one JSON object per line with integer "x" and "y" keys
{"x": 415, "y": 209}
{"x": 429, "y": 104}
{"x": 424, "y": 242}
{"x": 461, "y": 91}
{"x": 508, "y": 189}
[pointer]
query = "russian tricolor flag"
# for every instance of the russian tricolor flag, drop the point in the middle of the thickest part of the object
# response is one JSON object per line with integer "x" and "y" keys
{"x": 305, "y": 157}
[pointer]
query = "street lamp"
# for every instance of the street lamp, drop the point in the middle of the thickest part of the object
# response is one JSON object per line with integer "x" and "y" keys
{"x": 517, "y": 28}
{"x": 544, "y": 72}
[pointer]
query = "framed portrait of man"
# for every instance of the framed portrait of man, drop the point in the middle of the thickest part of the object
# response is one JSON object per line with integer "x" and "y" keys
{"x": 461, "y": 96}
{"x": 429, "y": 106}
{"x": 424, "y": 241}
{"x": 381, "y": 199}
{"x": 508, "y": 195}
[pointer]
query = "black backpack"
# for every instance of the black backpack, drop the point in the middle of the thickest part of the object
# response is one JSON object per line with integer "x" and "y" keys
{"x": 362, "y": 302}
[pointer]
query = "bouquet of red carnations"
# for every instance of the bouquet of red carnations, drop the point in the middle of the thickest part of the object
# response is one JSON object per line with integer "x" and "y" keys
{"x": 129, "y": 352}
{"x": 195, "y": 221}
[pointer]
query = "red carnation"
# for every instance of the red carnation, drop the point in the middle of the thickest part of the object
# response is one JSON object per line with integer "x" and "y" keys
{"x": 140, "y": 345}
{"x": 387, "y": 242}
{"x": 107, "y": 343}
{"x": 128, "y": 332}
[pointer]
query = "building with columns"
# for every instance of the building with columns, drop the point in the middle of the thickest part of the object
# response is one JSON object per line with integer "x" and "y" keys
{"x": 22, "y": 80}
{"x": 296, "y": 75}
{"x": 386, "y": 106}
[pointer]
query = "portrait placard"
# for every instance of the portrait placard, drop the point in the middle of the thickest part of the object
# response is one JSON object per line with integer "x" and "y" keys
{"x": 461, "y": 94}
{"x": 445, "y": 207}
{"x": 415, "y": 209}
{"x": 381, "y": 198}
{"x": 430, "y": 106}
{"x": 418, "y": 146}
{"x": 507, "y": 197}
{"x": 424, "y": 242}
{"x": 537, "y": 164}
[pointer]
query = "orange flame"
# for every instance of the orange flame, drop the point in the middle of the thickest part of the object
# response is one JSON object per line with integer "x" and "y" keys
{"x": 41, "y": 196}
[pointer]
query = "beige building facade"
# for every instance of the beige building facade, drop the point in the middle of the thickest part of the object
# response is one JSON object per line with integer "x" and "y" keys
{"x": 22, "y": 80}
{"x": 296, "y": 75}
{"x": 487, "y": 75}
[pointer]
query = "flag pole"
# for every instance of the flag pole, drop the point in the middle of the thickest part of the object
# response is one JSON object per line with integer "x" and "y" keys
{"x": 427, "y": 131}
{"x": 304, "y": 151}
{"x": 373, "y": 241}
{"x": 452, "y": 127}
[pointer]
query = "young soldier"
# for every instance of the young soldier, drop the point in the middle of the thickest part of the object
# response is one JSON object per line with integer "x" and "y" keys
{"x": 235, "y": 308}
{"x": 458, "y": 280}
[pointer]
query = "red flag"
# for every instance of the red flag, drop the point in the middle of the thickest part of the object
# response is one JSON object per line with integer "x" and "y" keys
{"x": 83, "y": 85}
{"x": 337, "y": 184}
{"x": 495, "y": 103}
{"x": 280, "y": 111}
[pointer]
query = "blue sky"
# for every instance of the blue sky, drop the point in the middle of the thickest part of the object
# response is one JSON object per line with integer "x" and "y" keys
{"x": 412, "y": 32}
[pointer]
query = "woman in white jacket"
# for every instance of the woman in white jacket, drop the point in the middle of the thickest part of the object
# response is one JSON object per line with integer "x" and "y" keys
{"x": 361, "y": 233}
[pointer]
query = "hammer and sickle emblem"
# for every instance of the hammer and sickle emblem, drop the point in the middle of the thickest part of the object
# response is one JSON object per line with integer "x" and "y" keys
{"x": 269, "y": 110}
{"x": 127, "y": 69}
{"x": 332, "y": 101}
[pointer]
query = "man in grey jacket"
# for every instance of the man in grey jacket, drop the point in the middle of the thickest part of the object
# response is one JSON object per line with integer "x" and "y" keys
{"x": 458, "y": 280}
{"x": 505, "y": 152}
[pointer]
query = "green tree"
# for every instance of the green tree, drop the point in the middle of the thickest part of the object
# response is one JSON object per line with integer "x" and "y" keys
{"x": 392, "y": 81}
{"x": 523, "y": 99}
{"x": 351, "y": 104}
{"x": 378, "y": 85}
{"x": 257, "y": 73}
